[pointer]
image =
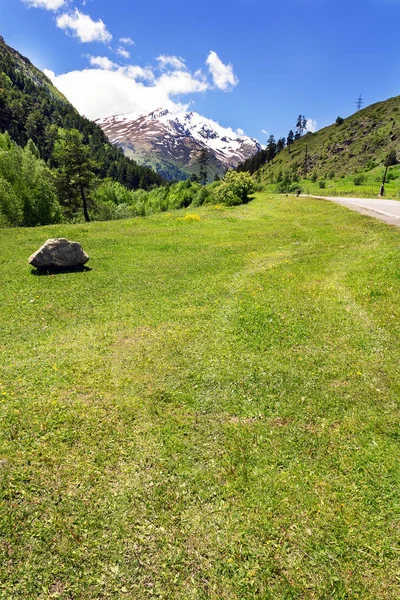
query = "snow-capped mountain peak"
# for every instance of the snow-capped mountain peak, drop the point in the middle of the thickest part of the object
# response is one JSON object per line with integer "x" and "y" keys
{"x": 163, "y": 139}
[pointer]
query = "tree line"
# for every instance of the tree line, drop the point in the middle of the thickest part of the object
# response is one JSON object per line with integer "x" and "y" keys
{"x": 31, "y": 109}
{"x": 273, "y": 147}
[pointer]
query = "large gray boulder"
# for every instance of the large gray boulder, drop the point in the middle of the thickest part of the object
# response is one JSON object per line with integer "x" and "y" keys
{"x": 59, "y": 253}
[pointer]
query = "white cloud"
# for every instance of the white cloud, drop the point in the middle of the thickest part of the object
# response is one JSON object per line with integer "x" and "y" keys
{"x": 96, "y": 93}
{"x": 103, "y": 63}
{"x": 311, "y": 125}
{"x": 112, "y": 89}
{"x": 223, "y": 75}
{"x": 123, "y": 52}
{"x": 264, "y": 131}
{"x": 83, "y": 27}
{"x": 181, "y": 82}
{"x": 175, "y": 62}
{"x": 136, "y": 72}
{"x": 106, "y": 88}
{"x": 47, "y": 4}
{"x": 127, "y": 41}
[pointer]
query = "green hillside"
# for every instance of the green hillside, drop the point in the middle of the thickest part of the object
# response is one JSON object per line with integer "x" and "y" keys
{"x": 359, "y": 144}
{"x": 33, "y": 111}
{"x": 211, "y": 412}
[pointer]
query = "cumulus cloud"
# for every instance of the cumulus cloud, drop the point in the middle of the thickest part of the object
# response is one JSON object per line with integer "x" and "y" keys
{"x": 181, "y": 82}
{"x": 106, "y": 88}
{"x": 127, "y": 41}
{"x": 137, "y": 72}
{"x": 83, "y": 27}
{"x": 112, "y": 89}
{"x": 175, "y": 62}
{"x": 102, "y": 62}
{"x": 223, "y": 75}
{"x": 47, "y": 4}
{"x": 124, "y": 53}
{"x": 96, "y": 93}
{"x": 311, "y": 125}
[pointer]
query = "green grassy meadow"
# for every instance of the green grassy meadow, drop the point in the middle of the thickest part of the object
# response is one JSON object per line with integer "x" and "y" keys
{"x": 211, "y": 412}
{"x": 365, "y": 184}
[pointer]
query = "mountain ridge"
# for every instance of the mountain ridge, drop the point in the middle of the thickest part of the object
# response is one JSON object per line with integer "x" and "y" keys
{"x": 170, "y": 142}
{"x": 357, "y": 143}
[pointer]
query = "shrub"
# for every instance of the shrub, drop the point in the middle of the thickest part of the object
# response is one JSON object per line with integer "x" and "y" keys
{"x": 182, "y": 194}
{"x": 202, "y": 196}
{"x": 234, "y": 189}
{"x": 339, "y": 121}
{"x": 112, "y": 191}
{"x": 391, "y": 158}
{"x": 322, "y": 184}
{"x": 287, "y": 185}
{"x": 359, "y": 180}
{"x": 314, "y": 177}
{"x": 370, "y": 165}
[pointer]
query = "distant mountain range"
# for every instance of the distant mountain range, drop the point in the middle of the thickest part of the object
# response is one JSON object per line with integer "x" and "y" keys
{"x": 170, "y": 143}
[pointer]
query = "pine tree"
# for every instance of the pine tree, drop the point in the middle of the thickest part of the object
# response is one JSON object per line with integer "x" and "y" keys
{"x": 203, "y": 160}
{"x": 301, "y": 126}
{"x": 290, "y": 138}
{"x": 271, "y": 148}
{"x": 280, "y": 144}
{"x": 75, "y": 169}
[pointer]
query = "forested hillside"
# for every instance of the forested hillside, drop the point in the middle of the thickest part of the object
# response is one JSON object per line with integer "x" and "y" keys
{"x": 358, "y": 143}
{"x": 31, "y": 108}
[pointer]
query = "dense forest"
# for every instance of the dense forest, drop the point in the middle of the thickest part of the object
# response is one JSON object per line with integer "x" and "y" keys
{"x": 33, "y": 111}
{"x": 31, "y": 193}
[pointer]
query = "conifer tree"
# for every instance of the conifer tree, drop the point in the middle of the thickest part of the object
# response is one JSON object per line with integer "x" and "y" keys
{"x": 280, "y": 144}
{"x": 290, "y": 138}
{"x": 75, "y": 170}
{"x": 271, "y": 148}
{"x": 203, "y": 159}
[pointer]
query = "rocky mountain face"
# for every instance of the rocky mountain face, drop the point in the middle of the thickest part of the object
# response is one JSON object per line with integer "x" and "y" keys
{"x": 170, "y": 143}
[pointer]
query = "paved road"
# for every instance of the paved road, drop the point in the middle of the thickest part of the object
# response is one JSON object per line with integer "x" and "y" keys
{"x": 385, "y": 210}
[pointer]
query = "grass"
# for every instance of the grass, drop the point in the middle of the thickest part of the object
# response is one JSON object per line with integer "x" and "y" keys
{"x": 364, "y": 184}
{"x": 211, "y": 412}
{"x": 363, "y": 139}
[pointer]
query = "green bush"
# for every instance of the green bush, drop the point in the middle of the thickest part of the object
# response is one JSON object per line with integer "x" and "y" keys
{"x": 322, "y": 184}
{"x": 28, "y": 194}
{"x": 202, "y": 196}
{"x": 391, "y": 158}
{"x": 235, "y": 188}
{"x": 359, "y": 180}
{"x": 370, "y": 165}
{"x": 112, "y": 191}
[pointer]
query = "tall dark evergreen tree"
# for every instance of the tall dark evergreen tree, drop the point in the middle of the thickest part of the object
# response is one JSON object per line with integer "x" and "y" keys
{"x": 290, "y": 138}
{"x": 271, "y": 148}
{"x": 203, "y": 160}
{"x": 280, "y": 144}
{"x": 75, "y": 169}
{"x": 301, "y": 126}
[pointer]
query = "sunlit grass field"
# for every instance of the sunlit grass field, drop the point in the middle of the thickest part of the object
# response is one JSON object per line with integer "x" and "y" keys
{"x": 211, "y": 412}
{"x": 366, "y": 184}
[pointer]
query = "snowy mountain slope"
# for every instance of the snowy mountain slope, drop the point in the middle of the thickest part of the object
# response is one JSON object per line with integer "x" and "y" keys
{"x": 170, "y": 143}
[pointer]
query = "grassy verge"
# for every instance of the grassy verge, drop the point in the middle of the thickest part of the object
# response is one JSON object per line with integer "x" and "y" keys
{"x": 365, "y": 184}
{"x": 211, "y": 412}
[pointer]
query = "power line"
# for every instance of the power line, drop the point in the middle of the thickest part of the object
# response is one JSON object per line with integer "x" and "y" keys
{"x": 359, "y": 102}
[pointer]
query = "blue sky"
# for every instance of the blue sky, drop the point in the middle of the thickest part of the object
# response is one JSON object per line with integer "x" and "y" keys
{"x": 248, "y": 64}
